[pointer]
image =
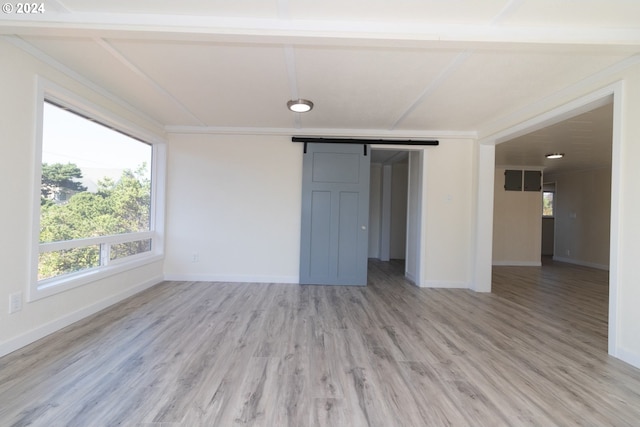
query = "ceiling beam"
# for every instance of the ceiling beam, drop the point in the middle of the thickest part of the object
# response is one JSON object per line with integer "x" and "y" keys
{"x": 212, "y": 28}
{"x": 323, "y": 132}
{"x": 144, "y": 76}
{"x": 435, "y": 84}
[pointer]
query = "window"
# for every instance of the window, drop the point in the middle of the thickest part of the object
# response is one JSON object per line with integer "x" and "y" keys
{"x": 96, "y": 213}
{"x": 547, "y": 203}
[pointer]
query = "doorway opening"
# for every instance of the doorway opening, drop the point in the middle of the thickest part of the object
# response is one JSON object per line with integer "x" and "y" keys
{"x": 548, "y": 220}
{"x": 395, "y": 207}
{"x": 585, "y": 229}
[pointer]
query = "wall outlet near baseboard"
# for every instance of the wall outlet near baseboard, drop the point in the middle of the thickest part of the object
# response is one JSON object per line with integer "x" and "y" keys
{"x": 15, "y": 302}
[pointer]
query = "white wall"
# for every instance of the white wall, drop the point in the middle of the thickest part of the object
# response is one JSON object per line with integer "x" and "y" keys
{"x": 447, "y": 233}
{"x": 627, "y": 222}
{"x": 399, "y": 183}
{"x": 517, "y": 225}
{"x": 375, "y": 206}
{"x": 18, "y": 76}
{"x": 582, "y": 217}
{"x": 415, "y": 208}
{"x": 234, "y": 202}
{"x": 397, "y": 208}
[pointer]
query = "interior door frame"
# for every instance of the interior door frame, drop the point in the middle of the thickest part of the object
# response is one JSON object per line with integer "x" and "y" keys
{"x": 485, "y": 178}
{"x": 415, "y": 238}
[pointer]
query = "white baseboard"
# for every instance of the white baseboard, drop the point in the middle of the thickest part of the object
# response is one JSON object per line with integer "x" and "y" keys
{"x": 230, "y": 278}
{"x": 582, "y": 263}
{"x": 53, "y": 326}
{"x": 629, "y": 357}
{"x": 517, "y": 263}
{"x": 444, "y": 284}
{"x": 410, "y": 278}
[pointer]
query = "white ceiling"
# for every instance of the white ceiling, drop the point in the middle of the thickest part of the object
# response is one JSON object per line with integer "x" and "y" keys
{"x": 420, "y": 68}
{"x": 585, "y": 140}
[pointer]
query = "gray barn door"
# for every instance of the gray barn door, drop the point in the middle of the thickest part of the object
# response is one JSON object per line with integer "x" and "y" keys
{"x": 335, "y": 215}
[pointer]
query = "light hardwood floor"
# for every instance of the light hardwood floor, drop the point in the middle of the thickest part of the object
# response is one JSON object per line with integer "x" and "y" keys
{"x": 389, "y": 354}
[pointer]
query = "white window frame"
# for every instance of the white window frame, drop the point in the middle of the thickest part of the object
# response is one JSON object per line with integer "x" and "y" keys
{"x": 49, "y": 91}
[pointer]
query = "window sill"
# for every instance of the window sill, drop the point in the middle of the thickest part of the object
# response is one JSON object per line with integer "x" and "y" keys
{"x": 53, "y": 286}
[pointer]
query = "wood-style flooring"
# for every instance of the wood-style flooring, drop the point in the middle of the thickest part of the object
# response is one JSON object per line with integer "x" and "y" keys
{"x": 532, "y": 353}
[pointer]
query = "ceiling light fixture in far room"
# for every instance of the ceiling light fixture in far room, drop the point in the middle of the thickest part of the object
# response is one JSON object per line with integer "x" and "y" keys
{"x": 554, "y": 155}
{"x": 300, "y": 105}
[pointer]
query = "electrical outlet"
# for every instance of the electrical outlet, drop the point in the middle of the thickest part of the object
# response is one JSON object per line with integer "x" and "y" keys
{"x": 15, "y": 302}
{"x": 195, "y": 257}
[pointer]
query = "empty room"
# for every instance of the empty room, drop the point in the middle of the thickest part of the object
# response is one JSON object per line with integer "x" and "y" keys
{"x": 337, "y": 213}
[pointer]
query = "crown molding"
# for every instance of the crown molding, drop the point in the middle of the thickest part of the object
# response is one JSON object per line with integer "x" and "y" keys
{"x": 362, "y": 133}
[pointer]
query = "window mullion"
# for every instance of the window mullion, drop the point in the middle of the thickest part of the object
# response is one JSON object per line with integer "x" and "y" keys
{"x": 105, "y": 254}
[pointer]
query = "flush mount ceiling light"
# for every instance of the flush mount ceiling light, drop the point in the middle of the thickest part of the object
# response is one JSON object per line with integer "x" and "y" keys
{"x": 554, "y": 156}
{"x": 300, "y": 105}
